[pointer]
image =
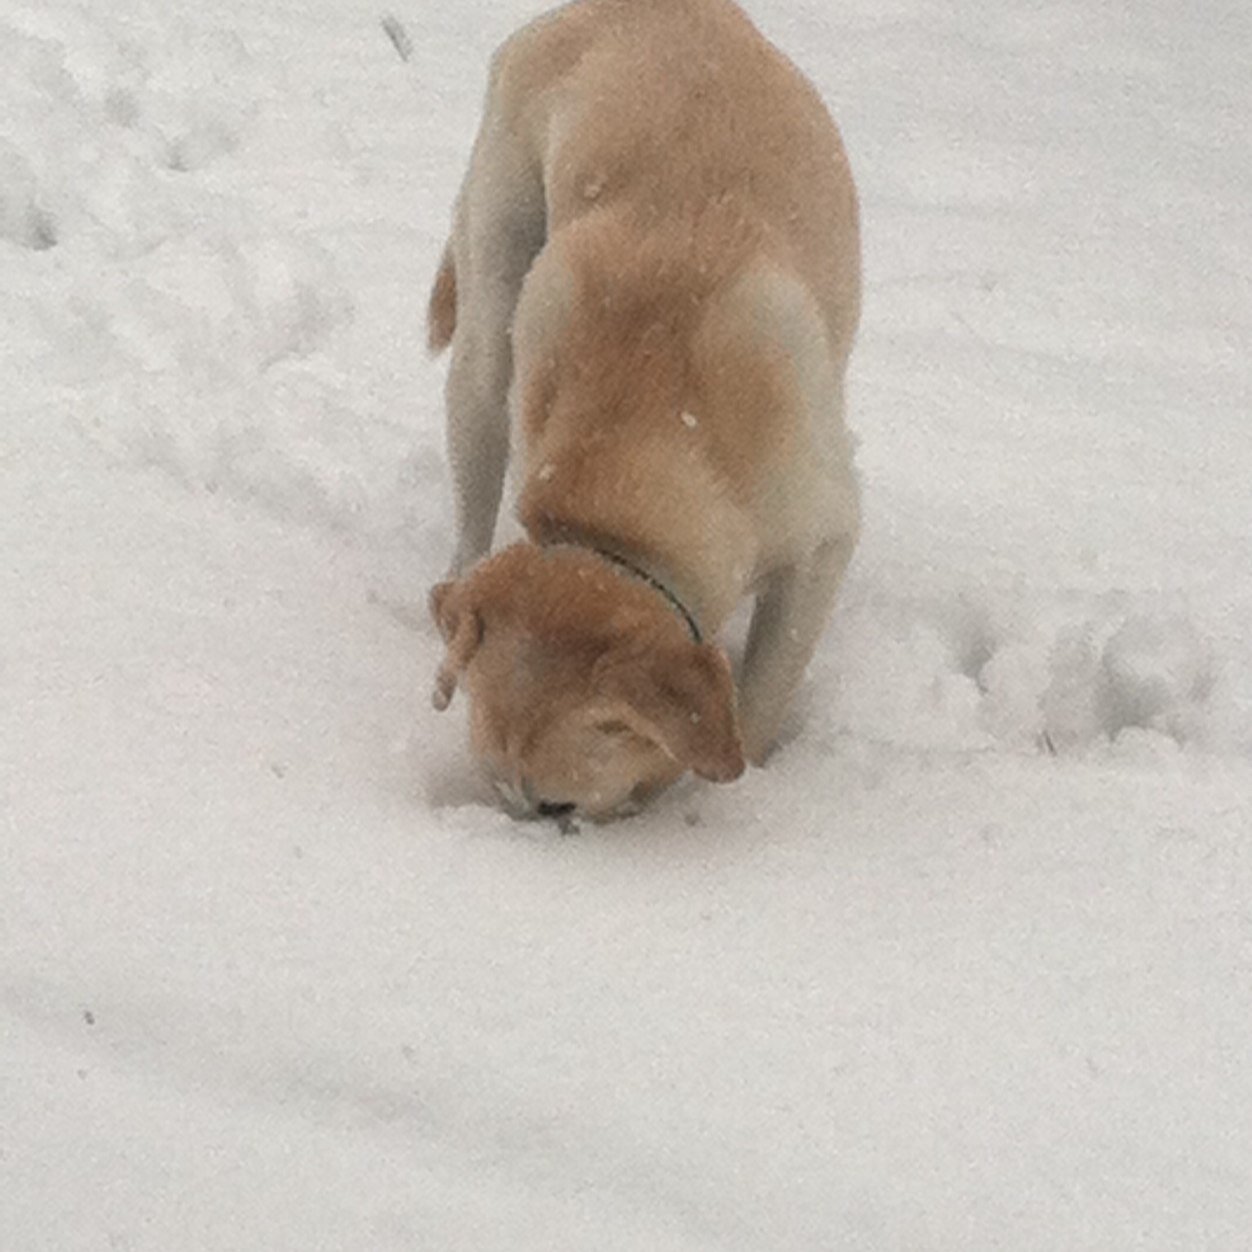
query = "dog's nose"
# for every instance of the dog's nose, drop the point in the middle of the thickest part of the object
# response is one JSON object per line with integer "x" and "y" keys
{"x": 546, "y": 809}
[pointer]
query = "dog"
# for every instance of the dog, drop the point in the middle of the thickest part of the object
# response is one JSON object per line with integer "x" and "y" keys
{"x": 651, "y": 291}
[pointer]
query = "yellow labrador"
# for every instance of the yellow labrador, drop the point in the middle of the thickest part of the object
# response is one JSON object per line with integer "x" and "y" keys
{"x": 654, "y": 279}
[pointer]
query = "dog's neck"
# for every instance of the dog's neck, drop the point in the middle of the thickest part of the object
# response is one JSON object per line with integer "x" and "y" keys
{"x": 631, "y": 569}
{"x": 661, "y": 515}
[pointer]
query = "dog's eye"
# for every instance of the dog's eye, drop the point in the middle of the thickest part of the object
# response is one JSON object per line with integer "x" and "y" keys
{"x": 613, "y": 728}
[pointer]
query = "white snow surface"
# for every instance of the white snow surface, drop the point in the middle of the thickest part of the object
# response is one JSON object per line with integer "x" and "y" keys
{"x": 968, "y": 966}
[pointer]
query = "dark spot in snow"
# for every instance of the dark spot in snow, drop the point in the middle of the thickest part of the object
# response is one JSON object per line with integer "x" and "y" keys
{"x": 33, "y": 229}
{"x": 89, "y": 1017}
{"x": 175, "y": 158}
{"x": 974, "y": 649}
{"x": 43, "y": 232}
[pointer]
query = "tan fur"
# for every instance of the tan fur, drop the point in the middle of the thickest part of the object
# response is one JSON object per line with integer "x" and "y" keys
{"x": 441, "y": 316}
{"x": 655, "y": 267}
{"x": 580, "y": 692}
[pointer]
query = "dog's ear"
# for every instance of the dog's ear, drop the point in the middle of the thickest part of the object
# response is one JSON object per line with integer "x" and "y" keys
{"x": 685, "y": 699}
{"x": 462, "y": 631}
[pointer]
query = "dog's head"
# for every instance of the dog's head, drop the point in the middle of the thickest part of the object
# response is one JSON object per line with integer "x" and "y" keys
{"x": 586, "y": 692}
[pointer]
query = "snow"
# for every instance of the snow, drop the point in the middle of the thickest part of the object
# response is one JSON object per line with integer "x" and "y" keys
{"x": 968, "y": 966}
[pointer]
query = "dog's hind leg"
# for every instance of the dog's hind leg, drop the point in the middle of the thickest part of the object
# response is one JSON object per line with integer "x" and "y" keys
{"x": 790, "y": 613}
{"x": 499, "y": 230}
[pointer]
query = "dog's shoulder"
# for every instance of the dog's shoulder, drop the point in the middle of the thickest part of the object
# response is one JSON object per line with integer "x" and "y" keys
{"x": 767, "y": 375}
{"x": 543, "y": 51}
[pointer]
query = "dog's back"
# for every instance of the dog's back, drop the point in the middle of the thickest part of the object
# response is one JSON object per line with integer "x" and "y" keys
{"x": 598, "y": 86}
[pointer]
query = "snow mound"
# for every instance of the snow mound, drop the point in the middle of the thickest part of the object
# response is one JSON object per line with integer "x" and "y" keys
{"x": 217, "y": 309}
{"x": 1036, "y": 672}
{"x": 1127, "y": 672}
{"x": 197, "y": 103}
{"x": 228, "y": 385}
{"x": 289, "y": 441}
{"x": 190, "y": 333}
{"x": 93, "y": 122}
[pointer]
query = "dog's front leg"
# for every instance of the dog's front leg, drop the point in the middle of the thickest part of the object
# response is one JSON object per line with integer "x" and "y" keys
{"x": 790, "y": 613}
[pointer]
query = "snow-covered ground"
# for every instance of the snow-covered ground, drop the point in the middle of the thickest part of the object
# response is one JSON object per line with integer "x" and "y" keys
{"x": 969, "y": 966}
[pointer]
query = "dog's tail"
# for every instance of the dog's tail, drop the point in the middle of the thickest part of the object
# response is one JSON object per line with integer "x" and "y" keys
{"x": 441, "y": 315}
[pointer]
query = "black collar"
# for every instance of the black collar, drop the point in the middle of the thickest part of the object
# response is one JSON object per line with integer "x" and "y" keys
{"x": 635, "y": 571}
{"x": 658, "y": 586}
